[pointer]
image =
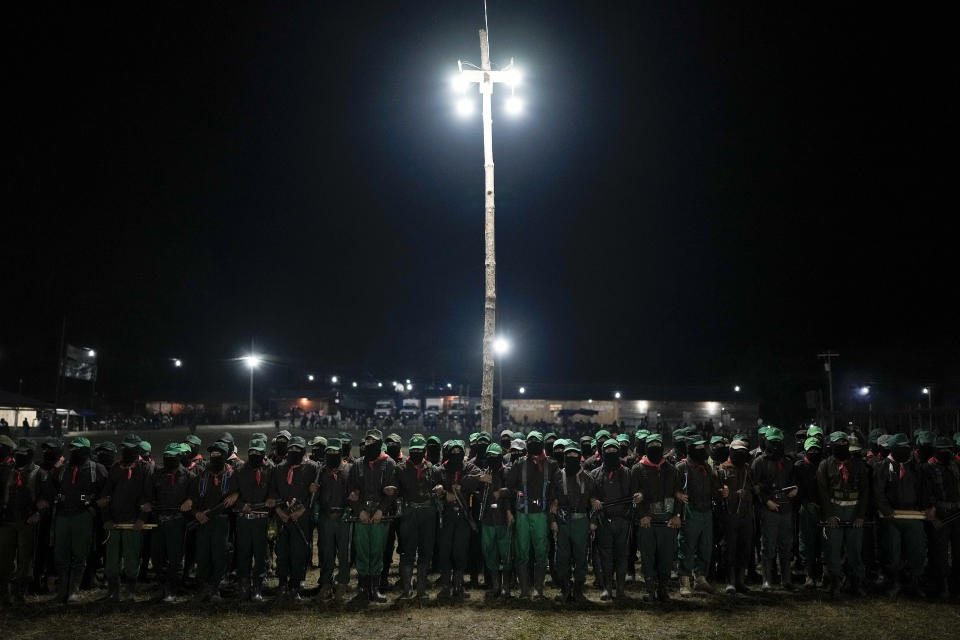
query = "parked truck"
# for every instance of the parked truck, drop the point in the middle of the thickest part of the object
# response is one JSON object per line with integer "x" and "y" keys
{"x": 410, "y": 410}
{"x": 384, "y": 408}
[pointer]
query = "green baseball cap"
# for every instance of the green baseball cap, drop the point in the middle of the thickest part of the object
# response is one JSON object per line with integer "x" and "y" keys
{"x": 535, "y": 436}
{"x": 146, "y": 446}
{"x": 257, "y": 445}
{"x": 611, "y": 442}
{"x": 774, "y": 434}
{"x": 394, "y": 438}
{"x": 810, "y": 443}
{"x": 345, "y": 437}
{"x": 450, "y": 444}
{"x": 836, "y": 436}
{"x": 484, "y": 437}
{"x": 434, "y": 440}
{"x": 259, "y": 436}
{"x": 874, "y": 435}
{"x": 376, "y": 434}
{"x": 7, "y": 441}
{"x": 601, "y": 435}
{"x": 898, "y": 440}
{"x": 623, "y": 438}
{"x": 761, "y": 431}
{"x": 943, "y": 442}
{"x": 473, "y": 437}
{"x": 718, "y": 440}
{"x": 494, "y": 449}
{"x": 76, "y": 443}
{"x": 297, "y": 441}
{"x": 172, "y": 449}
{"x": 192, "y": 439}
{"x": 220, "y": 446}
{"x": 571, "y": 447}
{"x": 106, "y": 446}
{"x": 418, "y": 443}
{"x": 924, "y": 437}
{"x": 814, "y": 430}
{"x": 333, "y": 444}
{"x": 550, "y": 436}
{"x": 654, "y": 437}
{"x": 956, "y": 438}
{"x": 641, "y": 434}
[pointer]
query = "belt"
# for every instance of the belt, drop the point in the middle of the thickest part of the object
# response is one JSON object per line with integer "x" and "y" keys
{"x": 419, "y": 505}
{"x": 161, "y": 518}
{"x": 256, "y": 515}
{"x": 844, "y": 503}
{"x": 578, "y": 515}
{"x": 948, "y": 506}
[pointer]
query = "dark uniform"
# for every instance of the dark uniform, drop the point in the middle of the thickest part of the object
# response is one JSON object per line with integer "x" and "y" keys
{"x": 291, "y": 490}
{"x": 496, "y": 524}
{"x": 125, "y": 497}
{"x": 253, "y": 483}
{"x": 169, "y": 486}
{"x": 570, "y": 494}
{"x": 213, "y": 486}
{"x": 943, "y": 478}
{"x": 25, "y": 493}
{"x": 415, "y": 479}
{"x": 737, "y": 515}
{"x": 772, "y": 474}
{"x": 659, "y": 515}
{"x": 701, "y": 485}
{"x": 459, "y": 479}
{"x": 811, "y": 542}
{"x": 333, "y": 531}
{"x": 78, "y": 486}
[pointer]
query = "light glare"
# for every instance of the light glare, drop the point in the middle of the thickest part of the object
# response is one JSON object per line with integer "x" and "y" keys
{"x": 252, "y": 361}
{"x": 501, "y": 346}
{"x": 514, "y": 106}
{"x": 464, "y": 106}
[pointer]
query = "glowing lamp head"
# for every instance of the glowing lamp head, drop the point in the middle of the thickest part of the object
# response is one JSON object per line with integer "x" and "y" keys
{"x": 616, "y": 395}
{"x": 334, "y": 379}
{"x": 354, "y": 384}
{"x": 523, "y": 390}
{"x": 91, "y": 353}
{"x": 864, "y": 391}
{"x": 464, "y": 107}
{"x": 252, "y": 361}
{"x": 501, "y": 346}
{"x": 310, "y": 377}
{"x": 736, "y": 388}
{"x": 926, "y": 391}
{"x": 514, "y": 106}
{"x": 177, "y": 362}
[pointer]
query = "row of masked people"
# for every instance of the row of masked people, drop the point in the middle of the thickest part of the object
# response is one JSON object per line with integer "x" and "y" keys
{"x": 519, "y": 509}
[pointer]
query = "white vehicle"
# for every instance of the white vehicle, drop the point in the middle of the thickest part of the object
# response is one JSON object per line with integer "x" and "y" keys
{"x": 383, "y": 409}
{"x": 433, "y": 409}
{"x": 410, "y": 409}
{"x": 458, "y": 409}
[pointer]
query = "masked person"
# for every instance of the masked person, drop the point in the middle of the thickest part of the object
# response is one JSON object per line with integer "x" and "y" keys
{"x": 457, "y": 479}
{"x": 50, "y": 460}
{"x": 371, "y": 498}
{"x": 192, "y": 460}
{"x": 433, "y": 450}
{"x": 679, "y": 450}
{"x": 125, "y": 499}
{"x": 25, "y": 493}
{"x": 415, "y": 480}
{"x": 899, "y": 486}
{"x": 278, "y": 452}
{"x": 844, "y": 495}
{"x": 737, "y": 515}
{"x": 78, "y": 485}
{"x": 776, "y": 489}
{"x": 254, "y": 482}
{"x": 943, "y": 480}
{"x": 658, "y": 498}
{"x": 506, "y": 437}
{"x": 104, "y": 453}
{"x": 529, "y": 481}
{"x": 393, "y": 445}
{"x": 496, "y": 523}
{"x": 587, "y": 446}
{"x": 811, "y": 538}
{"x": 318, "y": 445}
{"x": 701, "y": 485}
{"x": 570, "y": 523}
{"x": 333, "y": 532}
{"x": 290, "y": 491}
{"x": 595, "y": 459}
{"x": 169, "y": 486}
{"x": 211, "y": 493}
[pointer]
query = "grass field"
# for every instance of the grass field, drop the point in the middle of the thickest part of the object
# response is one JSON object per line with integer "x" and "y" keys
{"x": 780, "y": 614}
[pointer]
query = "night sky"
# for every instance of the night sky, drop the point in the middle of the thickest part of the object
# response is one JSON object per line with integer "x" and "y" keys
{"x": 696, "y": 194}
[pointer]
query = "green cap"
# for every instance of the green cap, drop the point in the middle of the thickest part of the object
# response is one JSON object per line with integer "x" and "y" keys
{"x": 297, "y": 441}
{"x": 956, "y": 438}
{"x": 126, "y": 444}
{"x": 586, "y": 438}
{"x": 679, "y": 435}
{"x": 434, "y": 440}
{"x": 814, "y": 430}
{"x": 623, "y": 438}
{"x": 394, "y": 438}
{"x": 333, "y": 444}
{"x": 601, "y": 435}
{"x": 641, "y": 434}
{"x": 884, "y": 441}
{"x": 317, "y": 441}
{"x": 811, "y": 442}
{"x": 774, "y": 434}
{"x": 943, "y": 442}
{"x": 494, "y": 449}
{"x": 611, "y": 442}
{"x": 739, "y": 436}
{"x": 106, "y": 446}
{"x": 536, "y": 436}
{"x": 376, "y": 434}
{"x": 24, "y": 445}
{"x": 838, "y": 435}
{"x": 259, "y": 436}
{"x": 718, "y": 440}
{"x": 192, "y": 439}
{"x": 146, "y": 446}
{"x": 571, "y": 447}
{"x": 473, "y": 437}
{"x": 484, "y": 437}
{"x": 898, "y": 440}
{"x": 874, "y": 435}
{"x": 131, "y": 438}
{"x": 697, "y": 440}
{"x": 654, "y": 437}
{"x": 550, "y": 436}
{"x": 7, "y": 441}
{"x": 454, "y": 443}
{"x": 345, "y": 437}
{"x": 763, "y": 430}
{"x": 924, "y": 437}
{"x": 77, "y": 443}
{"x": 257, "y": 445}
{"x": 855, "y": 443}
{"x": 220, "y": 446}
{"x": 172, "y": 449}
{"x": 560, "y": 442}
{"x": 418, "y": 443}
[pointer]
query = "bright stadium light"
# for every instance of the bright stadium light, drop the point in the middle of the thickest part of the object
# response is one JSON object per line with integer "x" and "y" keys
{"x": 736, "y": 388}
{"x": 409, "y": 387}
{"x": 354, "y": 384}
{"x": 379, "y": 385}
{"x": 252, "y": 361}
{"x": 523, "y": 390}
{"x": 464, "y": 107}
{"x": 616, "y": 394}
{"x": 91, "y": 353}
{"x": 926, "y": 391}
{"x": 333, "y": 379}
{"x": 514, "y": 106}
{"x": 177, "y": 362}
{"x": 864, "y": 391}
{"x": 449, "y": 385}
{"x": 501, "y": 346}
{"x": 310, "y": 377}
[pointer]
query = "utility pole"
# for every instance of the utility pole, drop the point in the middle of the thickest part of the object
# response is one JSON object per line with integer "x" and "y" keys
{"x": 485, "y": 77}
{"x": 828, "y": 356}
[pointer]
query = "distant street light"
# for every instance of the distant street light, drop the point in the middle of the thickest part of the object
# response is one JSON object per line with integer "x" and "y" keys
{"x": 485, "y": 76}
{"x": 928, "y": 391}
{"x": 409, "y": 387}
{"x": 310, "y": 377}
{"x": 864, "y": 391}
{"x": 91, "y": 353}
{"x": 523, "y": 390}
{"x": 177, "y": 362}
{"x": 252, "y": 361}
{"x": 379, "y": 385}
{"x": 407, "y": 380}
{"x": 354, "y": 384}
{"x": 449, "y": 385}
{"x": 501, "y": 347}
{"x": 616, "y": 394}
{"x": 736, "y": 388}
{"x": 333, "y": 379}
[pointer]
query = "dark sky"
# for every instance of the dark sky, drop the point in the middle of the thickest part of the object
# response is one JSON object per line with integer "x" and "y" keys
{"x": 696, "y": 194}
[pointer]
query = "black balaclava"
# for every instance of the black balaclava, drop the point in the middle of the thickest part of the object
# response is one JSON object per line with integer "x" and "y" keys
{"x": 680, "y": 448}
{"x": 332, "y": 460}
{"x": 925, "y": 451}
{"x": 416, "y": 456}
{"x": 23, "y": 459}
{"x": 51, "y": 455}
{"x": 698, "y": 454}
{"x": 719, "y": 452}
{"x": 217, "y": 460}
{"x": 281, "y": 446}
{"x": 316, "y": 454}
{"x": 170, "y": 463}
{"x": 79, "y": 455}
{"x": 534, "y": 448}
{"x": 186, "y": 457}
{"x": 255, "y": 459}
{"x": 901, "y": 453}
{"x": 841, "y": 450}
{"x": 944, "y": 456}
{"x": 774, "y": 449}
{"x": 129, "y": 455}
{"x": 505, "y": 444}
{"x": 194, "y": 449}
{"x": 814, "y": 455}
{"x": 558, "y": 455}
{"x": 654, "y": 452}
{"x": 433, "y": 452}
{"x": 481, "y": 450}
{"x": 494, "y": 463}
{"x": 455, "y": 459}
{"x": 106, "y": 457}
{"x": 624, "y": 449}
{"x": 585, "y": 449}
{"x": 739, "y": 457}
{"x": 345, "y": 450}
{"x": 371, "y": 450}
{"x": 611, "y": 459}
{"x": 295, "y": 456}
{"x": 473, "y": 450}
{"x": 572, "y": 464}
{"x": 393, "y": 450}
{"x": 641, "y": 447}
{"x": 5, "y": 451}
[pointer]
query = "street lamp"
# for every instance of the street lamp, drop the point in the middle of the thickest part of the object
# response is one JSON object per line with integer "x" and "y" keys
{"x": 736, "y": 388}
{"x": 177, "y": 362}
{"x": 333, "y": 379}
{"x": 91, "y": 353}
{"x": 354, "y": 384}
{"x": 523, "y": 390}
{"x": 864, "y": 391}
{"x": 310, "y": 377}
{"x": 252, "y": 361}
{"x": 449, "y": 385}
{"x": 928, "y": 391}
{"x": 485, "y": 77}
{"x": 616, "y": 394}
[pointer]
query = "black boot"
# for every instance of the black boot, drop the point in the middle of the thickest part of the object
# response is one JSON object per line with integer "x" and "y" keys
{"x": 740, "y": 584}
{"x": 129, "y": 590}
{"x": 565, "y": 593}
{"x": 244, "y": 588}
{"x": 422, "y": 581}
{"x": 73, "y": 587}
{"x": 293, "y": 589}
{"x": 524, "y": 576}
{"x": 459, "y": 590}
{"x": 444, "y": 581}
{"x": 493, "y": 585}
{"x": 113, "y": 590}
{"x": 256, "y": 590}
{"x": 663, "y": 591}
{"x": 406, "y": 580}
{"x": 621, "y": 585}
{"x": 539, "y": 574}
{"x": 362, "y": 594}
{"x": 506, "y": 583}
{"x": 375, "y": 595}
{"x": 786, "y": 577}
{"x": 578, "y": 591}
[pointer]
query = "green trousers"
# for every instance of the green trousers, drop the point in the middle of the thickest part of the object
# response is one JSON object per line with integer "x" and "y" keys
{"x": 696, "y": 542}
{"x": 292, "y": 551}
{"x": 846, "y": 539}
{"x": 531, "y": 531}
{"x": 212, "y": 550}
{"x": 573, "y": 541}
{"x": 333, "y": 535}
{"x": 166, "y": 546}
{"x": 899, "y": 536}
{"x": 495, "y": 546}
{"x": 252, "y": 546}
{"x": 418, "y": 531}
{"x": 812, "y": 542}
{"x": 16, "y": 547}
{"x": 72, "y": 535}
{"x": 123, "y": 554}
{"x": 369, "y": 540}
{"x": 657, "y": 546}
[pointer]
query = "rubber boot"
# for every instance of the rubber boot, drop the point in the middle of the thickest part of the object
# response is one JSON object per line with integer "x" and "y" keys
{"x": 444, "y": 583}
{"x": 256, "y": 590}
{"x": 607, "y": 593}
{"x": 786, "y": 577}
{"x": 539, "y": 574}
{"x": 406, "y": 580}
{"x": 113, "y": 590}
{"x": 701, "y": 584}
{"x": 459, "y": 590}
{"x": 578, "y": 595}
{"x": 493, "y": 585}
{"x": 731, "y": 588}
{"x": 129, "y": 587}
{"x": 422, "y": 581}
{"x": 685, "y": 590}
{"x": 740, "y": 583}
{"x": 244, "y": 588}
{"x": 506, "y": 579}
{"x": 362, "y": 589}
{"x": 524, "y": 576}
{"x": 293, "y": 589}
{"x": 663, "y": 591}
{"x": 73, "y": 588}
{"x": 375, "y": 595}
{"x": 564, "y": 594}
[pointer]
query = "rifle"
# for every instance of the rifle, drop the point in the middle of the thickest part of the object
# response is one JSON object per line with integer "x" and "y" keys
{"x": 212, "y": 511}
{"x": 483, "y": 501}
{"x": 905, "y": 514}
{"x": 128, "y": 526}
{"x": 383, "y": 519}
{"x": 947, "y": 520}
{"x": 291, "y": 506}
{"x": 780, "y": 494}
{"x": 463, "y": 507}
{"x": 844, "y": 524}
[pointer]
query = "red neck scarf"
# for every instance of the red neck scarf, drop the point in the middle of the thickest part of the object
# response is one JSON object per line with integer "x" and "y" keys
{"x": 19, "y": 478}
{"x": 382, "y": 456}
{"x": 645, "y": 461}
{"x": 844, "y": 471}
{"x": 903, "y": 466}
{"x": 289, "y": 473}
{"x": 129, "y": 467}
{"x": 695, "y": 464}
